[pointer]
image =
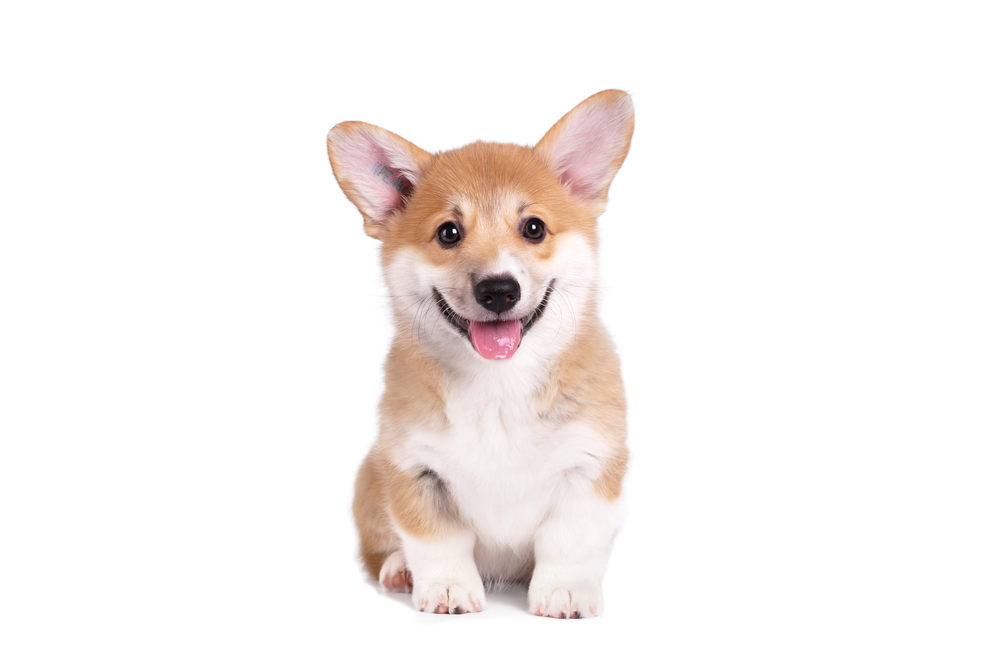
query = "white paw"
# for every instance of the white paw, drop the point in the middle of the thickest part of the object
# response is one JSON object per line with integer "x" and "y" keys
{"x": 565, "y": 601}
{"x": 394, "y": 576}
{"x": 450, "y": 598}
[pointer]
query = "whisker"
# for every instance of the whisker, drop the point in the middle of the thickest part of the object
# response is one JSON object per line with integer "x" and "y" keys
{"x": 416, "y": 325}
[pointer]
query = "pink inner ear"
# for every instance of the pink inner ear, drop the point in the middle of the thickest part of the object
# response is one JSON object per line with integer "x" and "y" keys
{"x": 381, "y": 173}
{"x": 585, "y": 153}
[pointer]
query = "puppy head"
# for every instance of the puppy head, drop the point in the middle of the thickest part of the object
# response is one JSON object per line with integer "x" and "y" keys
{"x": 487, "y": 242}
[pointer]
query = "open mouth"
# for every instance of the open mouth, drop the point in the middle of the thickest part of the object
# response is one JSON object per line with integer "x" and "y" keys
{"x": 494, "y": 339}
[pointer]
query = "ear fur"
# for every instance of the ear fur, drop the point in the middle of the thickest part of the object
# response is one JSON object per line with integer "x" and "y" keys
{"x": 376, "y": 169}
{"x": 589, "y": 144}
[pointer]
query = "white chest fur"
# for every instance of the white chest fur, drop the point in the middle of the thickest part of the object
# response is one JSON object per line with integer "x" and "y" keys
{"x": 503, "y": 462}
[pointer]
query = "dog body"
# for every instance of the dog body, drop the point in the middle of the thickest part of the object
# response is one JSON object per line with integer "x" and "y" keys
{"x": 502, "y": 449}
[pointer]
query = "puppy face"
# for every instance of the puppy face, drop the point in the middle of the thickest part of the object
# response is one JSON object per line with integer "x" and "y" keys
{"x": 488, "y": 249}
{"x": 492, "y": 247}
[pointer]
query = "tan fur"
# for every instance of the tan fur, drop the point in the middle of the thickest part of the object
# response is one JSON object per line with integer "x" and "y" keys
{"x": 487, "y": 188}
{"x": 483, "y": 176}
{"x": 586, "y": 385}
{"x": 376, "y": 535}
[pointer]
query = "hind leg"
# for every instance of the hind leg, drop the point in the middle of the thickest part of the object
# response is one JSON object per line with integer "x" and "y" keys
{"x": 378, "y": 540}
{"x": 394, "y": 576}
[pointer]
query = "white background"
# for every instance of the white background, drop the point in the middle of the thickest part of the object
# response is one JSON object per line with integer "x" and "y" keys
{"x": 800, "y": 269}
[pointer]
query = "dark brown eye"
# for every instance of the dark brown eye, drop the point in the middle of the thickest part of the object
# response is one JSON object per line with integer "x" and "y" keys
{"x": 534, "y": 230}
{"x": 448, "y": 234}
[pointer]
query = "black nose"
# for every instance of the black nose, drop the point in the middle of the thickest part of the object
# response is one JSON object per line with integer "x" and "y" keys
{"x": 498, "y": 294}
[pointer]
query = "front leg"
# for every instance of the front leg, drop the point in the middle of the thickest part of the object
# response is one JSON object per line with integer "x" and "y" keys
{"x": 437, "y": 547}
{"x": 445, "y": 577}
{"x": 571, "y": 552}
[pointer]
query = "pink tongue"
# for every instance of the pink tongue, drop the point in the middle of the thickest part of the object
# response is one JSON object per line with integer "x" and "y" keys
{"x": 495, "y": 340}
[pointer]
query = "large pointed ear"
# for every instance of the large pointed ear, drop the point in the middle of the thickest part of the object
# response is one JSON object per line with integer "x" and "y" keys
{"x": 588, "y": 145}
{"x": 376, "y": 169}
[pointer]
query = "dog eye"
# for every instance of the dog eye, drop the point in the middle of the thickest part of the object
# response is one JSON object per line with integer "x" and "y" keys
{"x": 448, "y": 234}
{"x": 534, "y": 230}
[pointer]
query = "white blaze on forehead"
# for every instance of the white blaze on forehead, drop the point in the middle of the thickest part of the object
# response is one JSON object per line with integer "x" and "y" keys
{"x": 493, "y": 211}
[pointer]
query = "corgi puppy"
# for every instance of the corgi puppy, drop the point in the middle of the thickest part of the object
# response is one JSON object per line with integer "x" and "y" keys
{"x": 501, "y": 449}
